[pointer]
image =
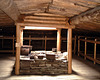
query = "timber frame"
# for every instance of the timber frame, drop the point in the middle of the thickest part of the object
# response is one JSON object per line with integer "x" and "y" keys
{"x": 19, "y": 43}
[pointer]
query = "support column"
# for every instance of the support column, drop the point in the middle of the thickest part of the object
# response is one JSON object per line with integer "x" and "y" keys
{"x": 85, "y": 48}
{"x": 13, "y": 44}
{"x": 78, "y": 45}
{"x": 58, "y": 39}
{"x": 75, "y": 45}
{"x": 2, "y": 42}
{"x": 21, "y": 35}
{"x": 69, "y": 49}
{"x": 95, "y": 45}
{"x": 45, "y": 43}
{"x": 18, "y": 45}
{"x": 29, "y": 39}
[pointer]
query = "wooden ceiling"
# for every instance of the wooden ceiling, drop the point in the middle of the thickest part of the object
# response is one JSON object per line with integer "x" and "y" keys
{"x": 84, "y": 14}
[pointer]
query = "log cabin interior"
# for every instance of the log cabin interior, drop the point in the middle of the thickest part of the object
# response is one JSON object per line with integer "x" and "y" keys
{"x": 49, "y": 39}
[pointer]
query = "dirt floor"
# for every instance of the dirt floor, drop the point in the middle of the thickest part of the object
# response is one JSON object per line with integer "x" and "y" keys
{"x": 82, "y": 70}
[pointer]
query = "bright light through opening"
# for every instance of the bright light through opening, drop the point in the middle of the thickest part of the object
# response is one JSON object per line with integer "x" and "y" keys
{"x": 39, "y": 28}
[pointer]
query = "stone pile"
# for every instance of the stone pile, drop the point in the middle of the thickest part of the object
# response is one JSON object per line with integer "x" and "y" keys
{"x": 39, "y": 66}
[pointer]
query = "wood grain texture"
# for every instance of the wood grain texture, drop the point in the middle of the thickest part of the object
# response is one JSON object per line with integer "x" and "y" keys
{"x": 9, "y": 7}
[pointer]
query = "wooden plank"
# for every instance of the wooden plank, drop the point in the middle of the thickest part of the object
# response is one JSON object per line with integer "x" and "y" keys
{"x": 58, "y": 39}
{"x": 69, "y": 48}
{"x": 90, "y": 15}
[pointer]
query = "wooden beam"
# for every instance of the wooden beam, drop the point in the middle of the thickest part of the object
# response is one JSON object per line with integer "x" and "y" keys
{"x": 49, "y": 15}
{"x": 90, "y": 15}
{"x": 46, "y": 21}
{"x": 69, "y": 48}
{"x": 9, "y": 7}
{"x": 66, "y": 26}
{"x": 46, "y": 18}
{"x": 58, "y": 39}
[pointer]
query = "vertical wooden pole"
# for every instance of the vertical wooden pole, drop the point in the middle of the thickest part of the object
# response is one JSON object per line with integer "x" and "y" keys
{"x": 21, "y": 35}
{"x": 45, "y": 43}
{"x": 85, "y": 48}
{"x": 13, "y": 45}
{"x": 95, "y": 45}
{"x": 69, "y": 48}
{"x": 78, "y": 45}
{"x": 2, "y": 43}
{"x": 18, "y": 45}
{"x": 75, "y": 45}
{"x": 58, "y": 39}
{"x": 29, "y": 39}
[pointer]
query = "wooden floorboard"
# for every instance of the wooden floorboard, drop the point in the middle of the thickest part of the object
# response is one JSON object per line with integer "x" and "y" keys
{"x": 82, "y": 70}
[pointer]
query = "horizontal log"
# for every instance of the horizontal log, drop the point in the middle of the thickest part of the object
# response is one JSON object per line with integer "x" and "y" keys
{"x": 9, "y": 7}
{"x": 79, "y": 3}
{"x": 46, "y": 25}
{"x": 48, "y": 15}
{"x": 7, "y": 51}
{"x": 31, "y": 38}
{"x": 45, "y": 21}
{"x": 45, "y": 18}
{"x": 90, "y": 41}
{"x": 91, "y": 15}
{"x": 58, "y": 12}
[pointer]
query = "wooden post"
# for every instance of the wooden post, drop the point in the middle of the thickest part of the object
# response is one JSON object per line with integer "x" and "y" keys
{"x": 78, "y": 45}
{"x": 45, "y": 42}
{"x": 13, "y": 45}
{"x": 2, "y": 43}
{"x": 18, "y": 45}
{"x": 69, "y": 48}
{"x": 75, "y": 45}
{"x": 85, "y": 48}
{"x": 21, "y": 35}
{"x": 29, "y": 39}
{"x": 58, "y": 39}
{"x": 95, "y": 51}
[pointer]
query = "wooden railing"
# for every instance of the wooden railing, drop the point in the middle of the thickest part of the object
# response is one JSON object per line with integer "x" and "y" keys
{"x": 29, "y": 39}
{"x": 84, "y": 53}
